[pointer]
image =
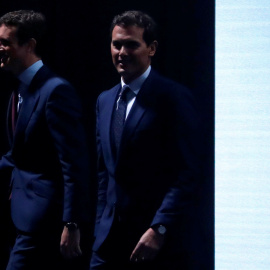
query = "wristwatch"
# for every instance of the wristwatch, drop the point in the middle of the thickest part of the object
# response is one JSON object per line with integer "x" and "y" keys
{"x": 161, "y": 229}
{"x": 72, "y": 226}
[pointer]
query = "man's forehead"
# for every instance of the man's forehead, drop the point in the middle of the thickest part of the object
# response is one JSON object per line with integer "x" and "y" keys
{"x": 9, "y": 29}
{"x": 129, "y": 32}
{"x": 128, "y": 28}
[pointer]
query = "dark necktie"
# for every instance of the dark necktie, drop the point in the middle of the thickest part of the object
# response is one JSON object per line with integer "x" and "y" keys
{"x": 119, "y": 117}
{"x": 14, "y": 113}
{"x": 16, "y": 105}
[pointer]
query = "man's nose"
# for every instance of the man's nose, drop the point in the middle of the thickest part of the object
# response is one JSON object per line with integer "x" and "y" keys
{"x": 123, "y": 51}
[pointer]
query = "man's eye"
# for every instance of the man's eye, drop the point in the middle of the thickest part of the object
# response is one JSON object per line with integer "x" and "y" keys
{"x": 117, "y": 45}
{"x": 126, "y": 45}
{"x": 132, "y": 45}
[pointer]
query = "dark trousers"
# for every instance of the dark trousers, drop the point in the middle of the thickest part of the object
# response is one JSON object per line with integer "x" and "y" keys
{"x": 181, "y": 252}
{"x": 35, "y": 251}
{"x": 116, "y": 261}
{"x": 115, "y": 253}
{"x": 42, "y": 251}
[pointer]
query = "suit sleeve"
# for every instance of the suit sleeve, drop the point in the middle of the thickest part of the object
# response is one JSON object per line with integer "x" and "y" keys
{"x": 64, "y": 116}
{"x": 6, "y": 167}
{"x": 184, "y": 149}
{"x": 101, "y": 171}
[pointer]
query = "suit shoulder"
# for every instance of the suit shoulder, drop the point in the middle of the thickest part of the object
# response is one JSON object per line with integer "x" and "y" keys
{"x": 108, "y": 93}
{"x": 45, "y": 74}
{"x": 168, "y": 87}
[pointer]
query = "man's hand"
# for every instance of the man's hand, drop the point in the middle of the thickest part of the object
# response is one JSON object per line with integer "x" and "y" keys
{"x": 70, "y": 243}
{"x": 148, "y": 247}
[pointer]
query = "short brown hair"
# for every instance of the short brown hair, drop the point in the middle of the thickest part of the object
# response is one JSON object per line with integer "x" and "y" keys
{"x": 29, "y": 24}
{"x": 140, "y": 19}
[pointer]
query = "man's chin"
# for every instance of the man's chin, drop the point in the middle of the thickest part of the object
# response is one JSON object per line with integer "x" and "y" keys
{"x": 4, "y": 66}
{"x": 3, "y": 60}
{"x": 122, "y": 72}
{"x": 121, "y": 67}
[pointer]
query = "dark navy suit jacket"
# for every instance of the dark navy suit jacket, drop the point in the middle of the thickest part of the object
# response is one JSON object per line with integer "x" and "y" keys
{"x": 48, "y": 157}
{"x": 154, "y": 179}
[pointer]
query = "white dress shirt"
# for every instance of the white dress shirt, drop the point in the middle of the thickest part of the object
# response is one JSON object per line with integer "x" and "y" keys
{"x": 135, "y": 87}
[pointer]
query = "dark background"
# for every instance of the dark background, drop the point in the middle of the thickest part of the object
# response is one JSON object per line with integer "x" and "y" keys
{"x": 79, "y": 50}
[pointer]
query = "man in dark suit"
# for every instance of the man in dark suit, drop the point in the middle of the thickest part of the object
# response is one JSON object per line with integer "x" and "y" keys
{"x": 48, "y": 160}
{"x": 149, "y": 168}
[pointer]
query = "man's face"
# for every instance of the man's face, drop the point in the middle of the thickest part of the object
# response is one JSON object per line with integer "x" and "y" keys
{"x": 130, "y": 54}
{"x": 11, "y": 53}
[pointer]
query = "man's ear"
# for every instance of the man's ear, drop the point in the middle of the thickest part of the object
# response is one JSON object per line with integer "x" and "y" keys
{"x": 153, "y": 48}
{"x": 32, "y": 43}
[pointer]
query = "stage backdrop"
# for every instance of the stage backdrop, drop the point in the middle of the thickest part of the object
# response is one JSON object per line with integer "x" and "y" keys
{"x": 242, "y": 155}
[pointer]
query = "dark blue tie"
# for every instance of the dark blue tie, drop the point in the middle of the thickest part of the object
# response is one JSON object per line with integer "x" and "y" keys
{"x": 14, "y": 112}
{"x": 119, "y": 117}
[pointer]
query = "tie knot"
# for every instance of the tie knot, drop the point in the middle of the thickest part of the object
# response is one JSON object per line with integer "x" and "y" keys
{"x": 123, "y": 96}
{"x": 124, "y": 93}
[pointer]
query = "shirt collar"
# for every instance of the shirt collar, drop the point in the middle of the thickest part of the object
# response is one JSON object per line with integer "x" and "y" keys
{"x": 27, "y": 75}
{"x": 136, "y": 84}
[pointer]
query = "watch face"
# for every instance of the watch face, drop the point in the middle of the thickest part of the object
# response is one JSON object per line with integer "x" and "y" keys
{"x": 71, "y": 226}
{"x": 162, "y": 229}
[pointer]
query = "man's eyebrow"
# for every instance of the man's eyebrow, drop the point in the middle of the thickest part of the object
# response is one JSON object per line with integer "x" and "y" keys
{"x": 125, "y": 41}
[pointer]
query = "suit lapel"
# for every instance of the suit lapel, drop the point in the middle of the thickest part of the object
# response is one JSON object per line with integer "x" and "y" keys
{"x": 106, "y": 117}
{"x": 132, "y": 121}
{"x": 30, "y": 100}
{"x": 29, "y": 103}
{"x": 138, "y": 109}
